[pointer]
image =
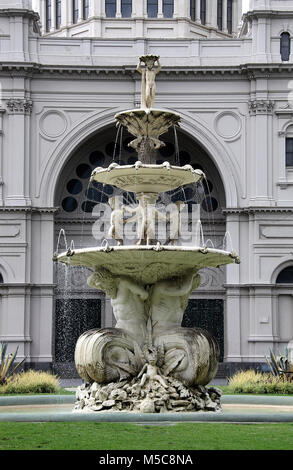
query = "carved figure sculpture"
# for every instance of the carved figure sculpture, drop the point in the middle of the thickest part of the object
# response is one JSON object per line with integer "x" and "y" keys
{"x": 145, "y": 215}
{"x": 168, "y": 300}
{"x": 148, "y": 85}
{"x": 175, "y": 223}
{"x": 116, "y": 221}
{"x": 127, "y": 300}
{"x": 150, "y": 370}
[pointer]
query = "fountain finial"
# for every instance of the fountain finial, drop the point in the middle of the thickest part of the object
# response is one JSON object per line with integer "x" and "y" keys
{"x": 148, "y": 84}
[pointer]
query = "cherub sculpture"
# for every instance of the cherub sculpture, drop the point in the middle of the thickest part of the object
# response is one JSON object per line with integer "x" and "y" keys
{"x": 148, "y": 85}
{"x": 150, "y": 370}
{"x": 116, "y": 227}
{"x": 175, "y": 219}
{"x": 146, "y": 216}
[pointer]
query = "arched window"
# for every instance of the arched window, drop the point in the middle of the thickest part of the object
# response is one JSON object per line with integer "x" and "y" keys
{"x": 85, "y": 9}
{"x": 229, "y": 16}
{"x": 126, "y": 8}
{"x": 75, "y": 11}
{"x": 203, "y": 11}
{"x": 220, "y": 14}
{"x": 48, "y": 15}
{"x": 110, "y": 8}
{"x": 285, "y": 276}
{"x": 152, "y": 8}
{"x": 285, "y": 46}
{"x": 1, "y": 279}
{"x": 168, "y": 8}
{"x": 58, "y": 14}
{"x": 289, "y": 152}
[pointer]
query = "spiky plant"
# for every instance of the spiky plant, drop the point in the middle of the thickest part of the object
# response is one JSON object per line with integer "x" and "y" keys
{"x": 7, "y": 367}
{"x": 280, "y": 366}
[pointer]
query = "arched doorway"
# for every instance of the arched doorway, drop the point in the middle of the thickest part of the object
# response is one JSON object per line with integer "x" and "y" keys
{"x": 80, "y": 308}
{"x": 284, "y": 284}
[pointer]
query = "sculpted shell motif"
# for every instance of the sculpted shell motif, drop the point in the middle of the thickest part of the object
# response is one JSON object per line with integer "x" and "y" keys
{"x": 191, "y": 355}
{"x": 106, "y": 355}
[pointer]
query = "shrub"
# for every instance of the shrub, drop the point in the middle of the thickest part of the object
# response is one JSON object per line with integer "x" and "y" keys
{"x": 251, "y": 381}
{"x": 31, "y": 381}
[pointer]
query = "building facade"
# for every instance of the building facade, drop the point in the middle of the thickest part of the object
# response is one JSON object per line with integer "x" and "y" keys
{"x": 67, "y": 67}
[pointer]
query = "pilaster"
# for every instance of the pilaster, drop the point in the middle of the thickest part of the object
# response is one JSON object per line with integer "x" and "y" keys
{"x": 17, "y": 152}
{"x": 261, "y": 111}
{"x": 2, "y": 111}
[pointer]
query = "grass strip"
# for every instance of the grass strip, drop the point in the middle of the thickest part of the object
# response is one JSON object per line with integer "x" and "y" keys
{"x": 121, "y": 436}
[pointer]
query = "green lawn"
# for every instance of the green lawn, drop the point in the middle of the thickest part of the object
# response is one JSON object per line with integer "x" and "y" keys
{"x": 120, "y": 436}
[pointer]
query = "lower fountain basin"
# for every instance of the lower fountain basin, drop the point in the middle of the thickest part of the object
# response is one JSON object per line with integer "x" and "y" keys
{"x": 148, "y": 264}
{"x": 235, "y": 408}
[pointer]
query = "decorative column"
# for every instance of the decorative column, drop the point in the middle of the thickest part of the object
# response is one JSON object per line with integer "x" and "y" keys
{"x": 235, "y": 16}
{"x": 118, "y": 9}
{"x": 179, "y": 5}
{"x": 160, "y": 9}
{"x": 225, "y": 14}
{"x": 53, "y": 17}
{"x": 69, "y": 13}
{"x": 80, "y": 11}
{"x": 197, "y": 12}
{"x": 63, "y": 15}
{"x": 42, "y": 14}
{"x": 213, "y": 13}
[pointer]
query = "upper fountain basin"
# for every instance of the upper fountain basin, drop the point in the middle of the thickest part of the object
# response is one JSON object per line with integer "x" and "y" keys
{"x": 148, "y": 264}
{"x": 146, "y": 178}
{"x": 149, "y": 122}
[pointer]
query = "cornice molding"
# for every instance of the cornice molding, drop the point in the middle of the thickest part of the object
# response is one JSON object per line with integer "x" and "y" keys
{"x": 249, "y": 71}
{"x": 254, "y": 210}
{"x": 268, "y": 14}
{"x": 20, "y": 12}
{"x": 28, "y": 209}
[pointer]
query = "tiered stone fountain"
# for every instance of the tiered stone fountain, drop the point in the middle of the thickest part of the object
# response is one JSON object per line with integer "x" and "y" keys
{"x": 148, "y": 362}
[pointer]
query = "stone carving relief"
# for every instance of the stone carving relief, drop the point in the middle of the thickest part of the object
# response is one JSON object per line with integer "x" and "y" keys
{"x": 212, "y": 278}
{"x": 228, "y": 125}
{"x": 53, "y": 124}
{"x": 261, "y": 106}
{"x": 19, "y": 106}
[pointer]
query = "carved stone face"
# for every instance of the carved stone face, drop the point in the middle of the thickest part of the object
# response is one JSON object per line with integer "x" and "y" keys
{"x": 150, "y": 64}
